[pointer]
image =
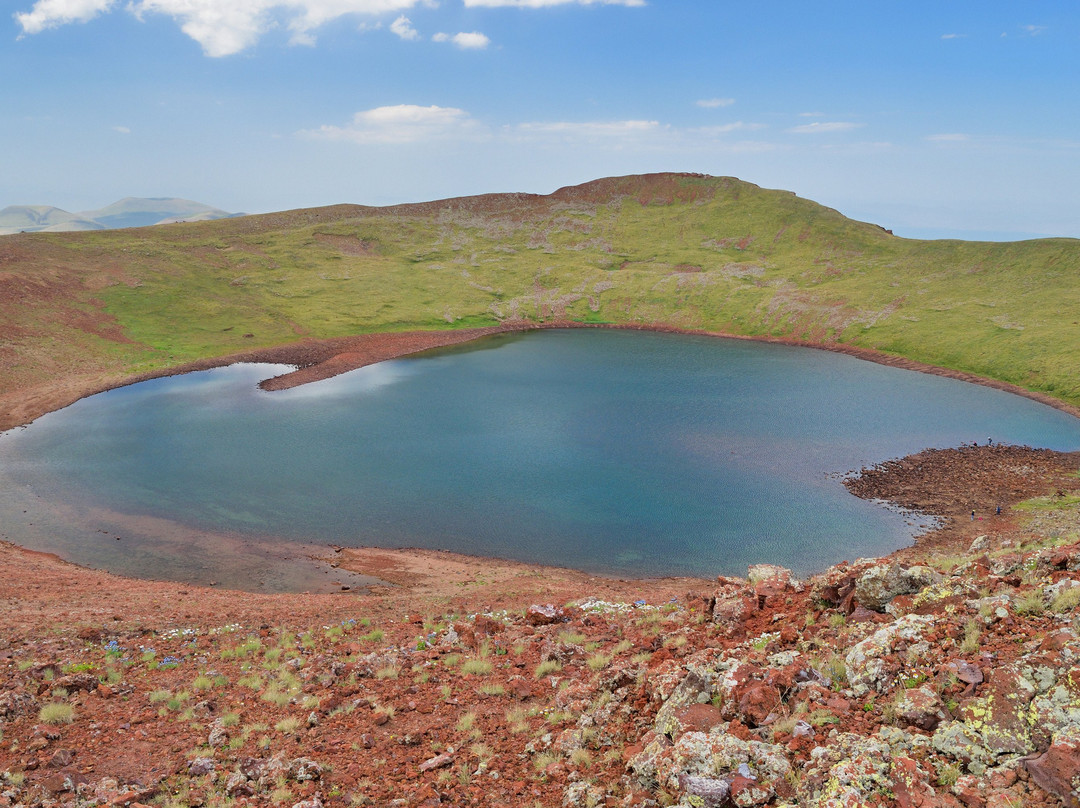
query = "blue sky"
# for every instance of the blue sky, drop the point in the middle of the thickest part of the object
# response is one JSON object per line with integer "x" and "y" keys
{"x": 929, "y": 118}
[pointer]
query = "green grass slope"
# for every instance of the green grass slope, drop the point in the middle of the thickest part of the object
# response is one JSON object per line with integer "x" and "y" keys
{"x": 684, "y": 250}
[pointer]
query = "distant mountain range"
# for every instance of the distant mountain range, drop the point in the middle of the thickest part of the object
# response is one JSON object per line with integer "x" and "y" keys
{"x": 129, "y": 212}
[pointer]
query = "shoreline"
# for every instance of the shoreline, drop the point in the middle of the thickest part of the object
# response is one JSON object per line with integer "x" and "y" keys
{"x": 315, "y": 360}
{"x": 319, "y": 359}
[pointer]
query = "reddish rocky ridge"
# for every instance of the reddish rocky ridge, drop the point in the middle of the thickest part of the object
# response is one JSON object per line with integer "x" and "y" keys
{"x": 927, "y": 680}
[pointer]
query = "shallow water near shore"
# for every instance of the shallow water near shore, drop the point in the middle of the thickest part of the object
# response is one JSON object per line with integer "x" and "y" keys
{"x": 617, "y": 452}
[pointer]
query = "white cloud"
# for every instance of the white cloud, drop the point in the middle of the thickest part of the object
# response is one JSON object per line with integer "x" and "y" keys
{"x": 591, "y": 130}
{"x": 713, "y": 103}
{"x": 221, "y": 27}
{"x": 546, "y": 3}
{"x": 403, "y": 27}
{"x": 123, "y": 130}
{"x": 727, "y": 128}
{"x": 473, "y": 40}
{"x": 53, "y": 13}
{"x": 818, "y": 127}
{"x": 403, "y": 123}
{"x": 466, "y": 41}
{"x": 949, "y": 137}
{"x": 953, "y": 36}
{"x": 1034, "y": 30}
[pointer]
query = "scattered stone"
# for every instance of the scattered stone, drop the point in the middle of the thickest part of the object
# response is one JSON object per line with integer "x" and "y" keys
{"x": 543, "y": 615}
{"x": 62, "y": 758}
{"x": 711, "y": 792}
{"x": 201, "y": 766}
{"x": 437, "y": 762}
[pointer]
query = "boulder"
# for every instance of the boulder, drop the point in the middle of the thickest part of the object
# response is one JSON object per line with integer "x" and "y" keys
{"x": 1057, "y": 770}
{"x": 920, "y": 707}
{"x": 866, "y": 663}
{"x": 709, "y": 791}
{"x": 730, "y": 611}
{"x": 698, "y": 718}
{"x": 769, "y": 581}
{"x": 995, "y": 725}
{"x": 693, "y": 691}
{"x": 878, "y": 585}
{"x": 850, "y": 770}
{"x": 544, "y": 615}
{"x": 201, "y": 766}
{"x": 718, "y": 755}
{"x": 758, "y": 702}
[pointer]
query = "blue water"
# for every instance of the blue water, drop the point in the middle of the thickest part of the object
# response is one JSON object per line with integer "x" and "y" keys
{"x": 619, "y": 452}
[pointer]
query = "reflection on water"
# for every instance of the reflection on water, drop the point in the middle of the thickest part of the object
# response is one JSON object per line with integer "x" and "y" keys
{"x": 612, "y": 451}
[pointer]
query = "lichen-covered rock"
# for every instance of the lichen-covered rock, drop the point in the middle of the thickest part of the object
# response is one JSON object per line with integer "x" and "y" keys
{"x": 911, "y": 784}
{"x": 865, "y": 663}
{"x": 706, "y": 792}
{"x": 693, "y": 689}
{"x": 1056, "y": 708}
{"x": 582, "y": 795}
{"x": 747, "y": 792}
{"x": 729, "y": 611}
{"x": 850, "y": 771}
{"x": 238, "y": 785}
{"x": 717, "y": 755}
{"x": 644, "y": 765}
{"x": 756, "y": 573}
{"x": 919, "y": 707}
{"x": 1057, "y": 770}
{"x": 996, "y": 724}
{"x": 771, "y": 581}
{"x": 878, "y": 585}
{"x": 698, "y": 718}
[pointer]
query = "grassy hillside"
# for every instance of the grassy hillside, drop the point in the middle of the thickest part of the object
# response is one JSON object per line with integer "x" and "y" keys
{"x": 690, "y": 251}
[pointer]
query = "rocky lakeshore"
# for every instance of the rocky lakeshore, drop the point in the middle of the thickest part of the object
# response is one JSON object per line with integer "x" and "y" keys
{"x": 946, "y": 675}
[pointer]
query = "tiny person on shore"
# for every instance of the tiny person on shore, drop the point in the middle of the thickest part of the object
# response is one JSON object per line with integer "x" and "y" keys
{"x": 973, "y": 516}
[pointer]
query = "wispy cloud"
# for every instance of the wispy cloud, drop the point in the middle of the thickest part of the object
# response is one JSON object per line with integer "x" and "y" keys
{"x": 473, "y": 40}
{"x": 403, "y": 123}
{"x": 1033, "y": 30}
{"x": 954, "y": 36}
{"x": 408, "y": 124}
{"x": 948, "y": 137}
{"x": 54, "y": 13}
{"x": 727, "y": 128}
{"x": 590, "y": 130}
{"x": 123, "y": 130}
{"x": 714, "y": 103}
{"x": 221, "y": 28}
{"x": 403, "y": 27}
{"x": 823, "y": 127}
